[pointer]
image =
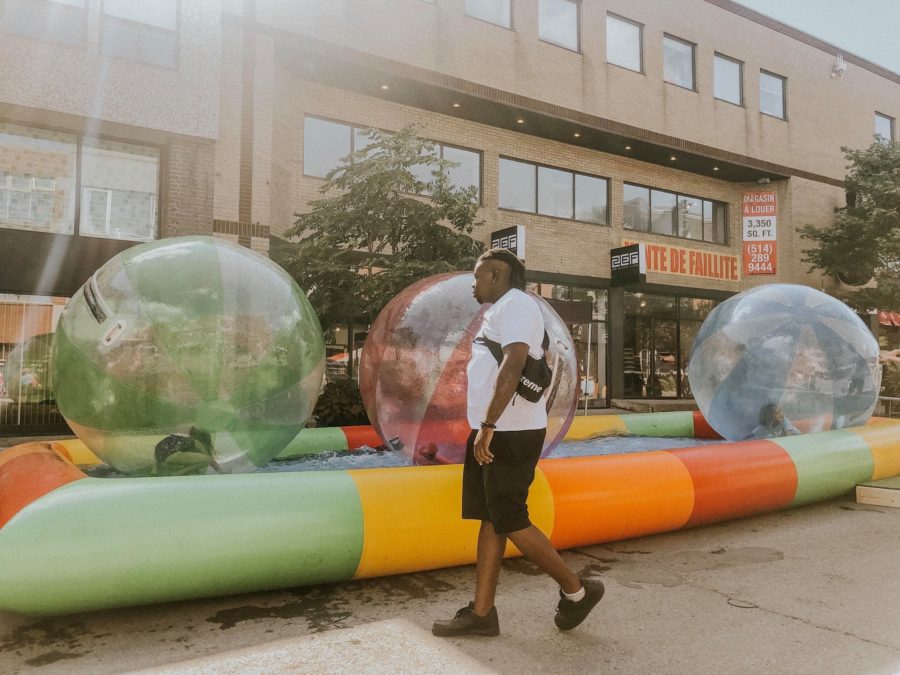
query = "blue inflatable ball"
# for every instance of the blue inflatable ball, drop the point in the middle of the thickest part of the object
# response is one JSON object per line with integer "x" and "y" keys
{"x": 783, "y": 359}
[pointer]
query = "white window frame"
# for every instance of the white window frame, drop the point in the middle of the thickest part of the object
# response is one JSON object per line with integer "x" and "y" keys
{"x": 640, "y": 45}
{"x": 693, "y": 46}
{"x": 86, "y": 211}
{"x": 507, "y": 24}
{"x": 577, "y": 47}
{"x": 783, "y": 79}
{"x": 892, "y": 127}
{"x": 740, "y": 65}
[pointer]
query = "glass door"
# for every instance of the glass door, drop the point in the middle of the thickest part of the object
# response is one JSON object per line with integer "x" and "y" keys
{"x": 590, "y": 345}
{"x": 650, "y": 346}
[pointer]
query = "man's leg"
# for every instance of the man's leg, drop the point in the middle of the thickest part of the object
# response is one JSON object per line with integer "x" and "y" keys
{"x": 487, "y": 567}
{"x": 535, "y": 546}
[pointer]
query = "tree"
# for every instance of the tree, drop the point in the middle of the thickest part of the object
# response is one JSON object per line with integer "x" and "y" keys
{"x": 864, "y": 242}
{"x": 389, "y": 217}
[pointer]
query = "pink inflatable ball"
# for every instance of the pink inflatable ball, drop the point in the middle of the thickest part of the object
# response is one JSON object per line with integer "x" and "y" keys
{"x": 413, "y": 369}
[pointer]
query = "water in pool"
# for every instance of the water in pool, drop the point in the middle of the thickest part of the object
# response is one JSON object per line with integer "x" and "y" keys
{"x": 369, "y": 458}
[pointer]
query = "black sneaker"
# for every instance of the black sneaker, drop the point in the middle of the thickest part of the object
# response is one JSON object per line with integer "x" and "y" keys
{"x": 569, "y": 614}
{"x": 467, "y": 622}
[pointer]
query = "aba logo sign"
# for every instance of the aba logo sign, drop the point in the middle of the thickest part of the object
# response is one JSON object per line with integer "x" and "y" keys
{"x": 622, "y": 261}
{"x": 629, "y": 265}
{"x": 510, "y": 238}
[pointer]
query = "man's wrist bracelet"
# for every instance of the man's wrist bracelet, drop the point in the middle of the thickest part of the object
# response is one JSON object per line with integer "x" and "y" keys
{"x": 485, "y": 425}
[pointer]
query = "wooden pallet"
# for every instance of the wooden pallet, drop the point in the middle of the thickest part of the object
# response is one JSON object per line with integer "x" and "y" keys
{"x": 884, "y": 492}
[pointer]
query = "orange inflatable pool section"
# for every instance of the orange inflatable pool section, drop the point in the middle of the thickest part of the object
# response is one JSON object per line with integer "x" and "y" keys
{"x": 70, "y": 543}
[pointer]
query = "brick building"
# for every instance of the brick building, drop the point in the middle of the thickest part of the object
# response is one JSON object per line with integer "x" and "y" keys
{"x": 589, "y": 124}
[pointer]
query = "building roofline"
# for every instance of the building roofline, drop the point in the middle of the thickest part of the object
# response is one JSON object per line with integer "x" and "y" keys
{"x": 344, "y": 67}
{"x": 807, "y": 39}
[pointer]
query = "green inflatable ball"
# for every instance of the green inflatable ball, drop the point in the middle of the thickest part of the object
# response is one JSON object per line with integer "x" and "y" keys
{"x": 188, "y": 355}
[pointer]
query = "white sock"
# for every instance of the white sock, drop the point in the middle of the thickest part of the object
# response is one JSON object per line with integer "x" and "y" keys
{"x": 576, "y": 596}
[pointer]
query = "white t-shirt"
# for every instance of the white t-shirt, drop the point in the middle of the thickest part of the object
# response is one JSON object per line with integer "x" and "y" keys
{"x": 515, "y": 317}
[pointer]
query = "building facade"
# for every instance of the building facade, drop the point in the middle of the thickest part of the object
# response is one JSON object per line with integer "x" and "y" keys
{"x": 704, "y": 131}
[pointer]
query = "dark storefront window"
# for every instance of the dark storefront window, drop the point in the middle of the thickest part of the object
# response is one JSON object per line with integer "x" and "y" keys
{"x": 659, "y": 332}
{"x": 584, "y": 310}
{"x": 27, "y": 401}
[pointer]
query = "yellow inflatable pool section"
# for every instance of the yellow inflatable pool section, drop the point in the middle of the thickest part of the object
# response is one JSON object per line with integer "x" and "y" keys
{"x": 72, "y": 543}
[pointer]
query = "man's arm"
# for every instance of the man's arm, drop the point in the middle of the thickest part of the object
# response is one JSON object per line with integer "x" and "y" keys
{"x": 892, "y": 356}
{"x": 511, "y": 367}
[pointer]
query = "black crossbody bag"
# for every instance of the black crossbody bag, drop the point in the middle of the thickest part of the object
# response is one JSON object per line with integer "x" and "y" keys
{"x": 536, "y": 375}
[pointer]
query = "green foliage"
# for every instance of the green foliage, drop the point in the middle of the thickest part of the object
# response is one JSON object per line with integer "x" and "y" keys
{"x": 865, "y": 239}
{"x": 340, "y": 404}
{"x": 380, "y": 226}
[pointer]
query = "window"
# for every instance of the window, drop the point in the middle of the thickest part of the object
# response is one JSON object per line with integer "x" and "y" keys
{"x": 663, "y": 212}
{"x": 558, "y": 22}
{"x": 690, "y": 218}
{"x": 701, "y": 219}
{"x": 119, "y": 191}
{"x": 728, "y": 79}
{"x": 326, "y": 143}
{"x": 771, "y": 94}
{"x": 636, "y": 207}
{"x": 468, "y": 173}
{"x": 678, "y": 62}
{"x": 141, "y": 31}
{"x": 60, "y": 21}
{"x": 553, "y": 192}
{"x": 714, "y": 225}
{"x": 884, "y": 127}
{"x": 518, "y": 185}
{"x": 623, "y": 43}
{"x": 37, "y": 179}
{"x": 492, "y": 11}
{"x": 119, "y": 185}
{"x": 591, "y": 199}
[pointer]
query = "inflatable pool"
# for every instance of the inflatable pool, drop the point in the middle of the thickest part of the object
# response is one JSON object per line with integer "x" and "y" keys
{"x": 71, "y": 543}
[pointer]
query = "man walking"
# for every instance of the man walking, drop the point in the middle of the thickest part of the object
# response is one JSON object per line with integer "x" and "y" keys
{"x": 503, "y": 450}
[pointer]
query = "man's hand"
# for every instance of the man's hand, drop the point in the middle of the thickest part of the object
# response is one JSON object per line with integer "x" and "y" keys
{"x": 483, "y": 454}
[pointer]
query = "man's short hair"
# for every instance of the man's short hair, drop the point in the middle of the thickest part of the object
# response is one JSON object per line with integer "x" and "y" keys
{"x": 516, "y": 265}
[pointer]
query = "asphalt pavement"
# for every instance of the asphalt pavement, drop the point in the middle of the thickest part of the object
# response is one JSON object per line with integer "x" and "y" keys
{"x": 809, "y": 590}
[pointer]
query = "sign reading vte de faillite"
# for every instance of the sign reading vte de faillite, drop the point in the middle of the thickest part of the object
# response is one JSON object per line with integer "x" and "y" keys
{"x": 760, "y": 237}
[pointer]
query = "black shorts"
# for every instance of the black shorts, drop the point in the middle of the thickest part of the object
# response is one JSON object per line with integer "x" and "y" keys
{"x": 497, "y": 491}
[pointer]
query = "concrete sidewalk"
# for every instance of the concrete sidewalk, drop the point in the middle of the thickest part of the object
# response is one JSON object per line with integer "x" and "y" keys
{"x": 810, "y": 590}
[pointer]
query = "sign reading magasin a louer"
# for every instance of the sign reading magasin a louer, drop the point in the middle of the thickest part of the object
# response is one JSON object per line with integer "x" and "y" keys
{"x": 760, "y": 241}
